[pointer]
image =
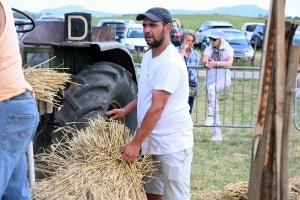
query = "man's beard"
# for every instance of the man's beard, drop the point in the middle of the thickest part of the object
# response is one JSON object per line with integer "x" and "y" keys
{"x": 157, "y": 42}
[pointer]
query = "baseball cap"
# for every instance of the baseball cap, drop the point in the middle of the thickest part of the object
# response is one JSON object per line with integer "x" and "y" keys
{"x": 156, "y": 14}
{"x": 217, "y": 34}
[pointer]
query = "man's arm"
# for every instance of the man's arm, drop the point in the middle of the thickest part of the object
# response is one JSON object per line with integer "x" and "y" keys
{"x": 120, "y": 113}
{"x": 2, "y": 20}
{"x": 159, "y": 101}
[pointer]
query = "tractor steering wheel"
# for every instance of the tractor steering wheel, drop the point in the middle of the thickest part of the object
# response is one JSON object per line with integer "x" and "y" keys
{"x": 31, "y": 22}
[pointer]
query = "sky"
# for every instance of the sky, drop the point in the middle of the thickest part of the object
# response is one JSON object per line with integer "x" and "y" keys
{"x": 137, "y": 6}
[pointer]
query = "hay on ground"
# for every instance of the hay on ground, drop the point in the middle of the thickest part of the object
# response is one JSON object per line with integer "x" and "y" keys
{"x": 89, "y": 166}
{"x": 239, "y": 191}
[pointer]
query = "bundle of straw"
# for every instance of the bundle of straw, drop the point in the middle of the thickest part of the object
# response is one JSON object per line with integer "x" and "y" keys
{"x": 239, "y": 191}
{"x": 235, "y": 191}
{"x": 89, "y": 166}
{"x": 46, "y": 82}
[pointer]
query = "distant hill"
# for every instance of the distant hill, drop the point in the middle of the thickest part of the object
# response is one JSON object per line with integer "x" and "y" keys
{"x": 240, "y": 10}
{"x": 75, "y": 8}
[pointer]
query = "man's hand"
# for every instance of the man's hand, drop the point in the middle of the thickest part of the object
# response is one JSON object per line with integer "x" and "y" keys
{"x": 116, "y": 113}
{"x": 130, "y": 152}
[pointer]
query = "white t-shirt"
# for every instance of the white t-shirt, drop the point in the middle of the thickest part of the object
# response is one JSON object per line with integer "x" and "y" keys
{"x": 174, "y": 130}
{"x": 214, "y": 75}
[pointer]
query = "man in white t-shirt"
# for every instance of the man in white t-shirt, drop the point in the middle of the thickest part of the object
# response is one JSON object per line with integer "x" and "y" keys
{"x": 165, "y": 125}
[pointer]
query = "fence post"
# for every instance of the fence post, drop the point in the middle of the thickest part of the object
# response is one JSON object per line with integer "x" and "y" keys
{"x": 254, "y": 56}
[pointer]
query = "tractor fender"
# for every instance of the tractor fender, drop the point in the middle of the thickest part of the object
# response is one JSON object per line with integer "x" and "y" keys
{"x": 116, "y": 53}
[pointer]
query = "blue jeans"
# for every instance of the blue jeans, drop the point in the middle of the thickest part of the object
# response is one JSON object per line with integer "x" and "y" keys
{"x": 18, "y": 122}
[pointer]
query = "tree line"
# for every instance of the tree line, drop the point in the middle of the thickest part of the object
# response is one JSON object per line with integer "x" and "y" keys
{"x": 287, "y": 17}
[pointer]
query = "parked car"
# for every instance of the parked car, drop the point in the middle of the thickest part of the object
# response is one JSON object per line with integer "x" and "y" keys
{"x": 129, "y": 21}
{"x": 134, "y": 39}
{"x": 54, "y": 17}
{"x": 202, "y": 31}
{"x": 177, "y": 24}
{"x": 20, "y": 26}
{"x": 120, "y": 26}
{"x": 258, "y": 36}
{"x": 237, "y": 40}
{"x": 296, "y": 39}
{"x": 249, "y": 27}
{"x": 175, "y": 36}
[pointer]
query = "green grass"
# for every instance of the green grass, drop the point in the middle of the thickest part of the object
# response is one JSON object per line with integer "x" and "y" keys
{"x": 217, "y": 164}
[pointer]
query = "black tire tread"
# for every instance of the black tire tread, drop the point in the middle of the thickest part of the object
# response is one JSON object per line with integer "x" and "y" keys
{"x": 99, "y": 84}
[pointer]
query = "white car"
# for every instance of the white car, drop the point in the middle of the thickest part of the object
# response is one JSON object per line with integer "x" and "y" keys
{"x": 177, "y": 24}
{"x": 129, "y": 21}
{"x": 134, "y": 39}
{"x": 207, "y": 25}
{"x": 248, "y": 28}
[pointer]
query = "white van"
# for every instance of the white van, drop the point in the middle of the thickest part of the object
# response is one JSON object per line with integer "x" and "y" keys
{"x": 134, "y": 39}
{"x": 248, "y": 28}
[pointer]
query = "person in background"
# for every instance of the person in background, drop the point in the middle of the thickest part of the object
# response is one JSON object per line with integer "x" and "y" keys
{"x": 219, "y": 54}
{"x": 165, "y": 126}
{"x": 191, "y": 58}
{"x": 19, "y": 116}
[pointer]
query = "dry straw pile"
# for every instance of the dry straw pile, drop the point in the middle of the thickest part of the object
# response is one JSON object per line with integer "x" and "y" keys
{"x": 46, "y": 82}
{"x": 89, "y": 166}
{"x": 239, "y": 191}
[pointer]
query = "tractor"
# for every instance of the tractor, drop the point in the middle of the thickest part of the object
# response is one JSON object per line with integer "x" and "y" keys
{"x": 103, "y": 72}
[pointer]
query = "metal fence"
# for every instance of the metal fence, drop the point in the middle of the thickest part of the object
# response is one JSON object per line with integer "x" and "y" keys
{"x": 237, "y": 103}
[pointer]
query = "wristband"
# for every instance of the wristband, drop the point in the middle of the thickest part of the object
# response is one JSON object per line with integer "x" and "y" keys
{"x": 218, "y": 63}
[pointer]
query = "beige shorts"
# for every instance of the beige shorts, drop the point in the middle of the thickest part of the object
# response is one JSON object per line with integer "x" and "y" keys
{"x": 174, "y": 170}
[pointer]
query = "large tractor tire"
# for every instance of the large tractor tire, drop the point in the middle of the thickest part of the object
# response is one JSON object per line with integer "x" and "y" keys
{"x": 103, "y": 86}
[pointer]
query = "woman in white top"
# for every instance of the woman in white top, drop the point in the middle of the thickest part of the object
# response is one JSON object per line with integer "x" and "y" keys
{"x": 219, "y": 54}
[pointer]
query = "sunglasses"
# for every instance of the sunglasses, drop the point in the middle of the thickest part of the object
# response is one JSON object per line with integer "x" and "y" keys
{"x": 213, "y": 39}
